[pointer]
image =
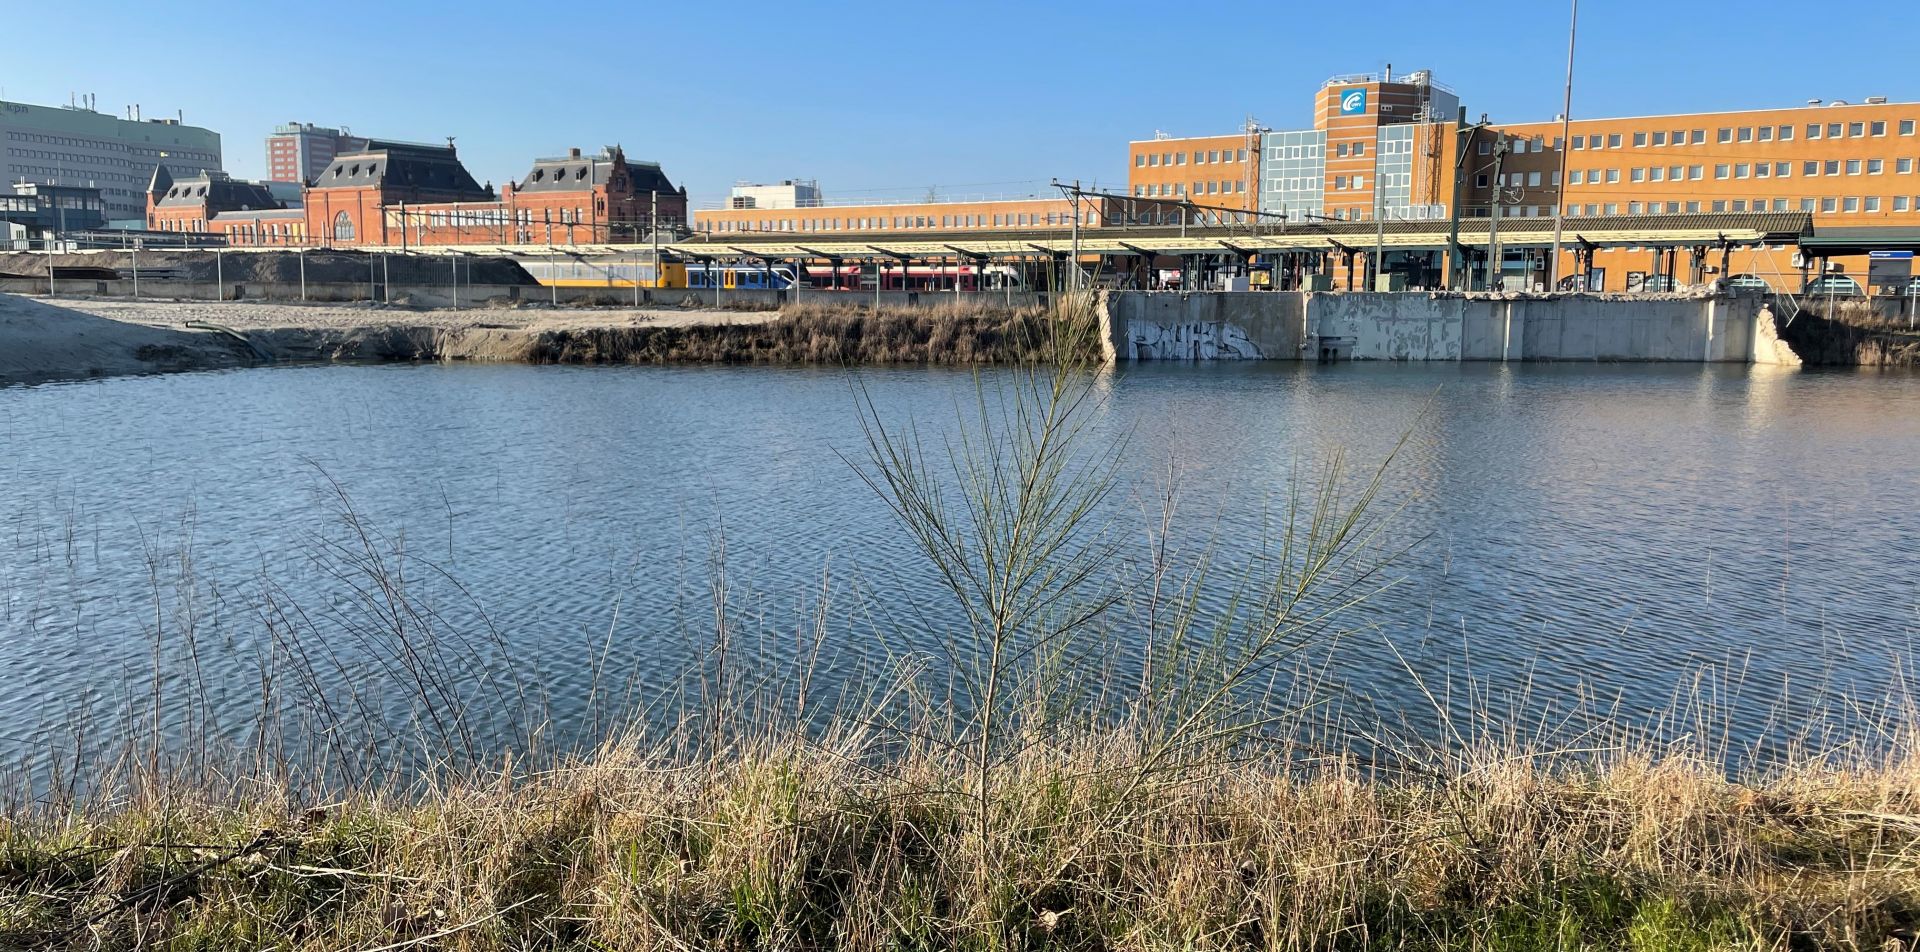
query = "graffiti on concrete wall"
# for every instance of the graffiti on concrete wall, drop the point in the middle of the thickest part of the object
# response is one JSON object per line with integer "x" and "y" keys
{"x": 1193, "y": 340}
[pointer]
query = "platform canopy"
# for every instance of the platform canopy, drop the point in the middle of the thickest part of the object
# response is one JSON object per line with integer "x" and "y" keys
{"x": 1734, "y": 230}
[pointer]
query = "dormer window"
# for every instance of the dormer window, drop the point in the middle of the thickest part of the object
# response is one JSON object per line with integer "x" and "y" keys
{"x": 355, "y": 170}
{"x": 539, "y": 174}
{"x": 580, "y": 174}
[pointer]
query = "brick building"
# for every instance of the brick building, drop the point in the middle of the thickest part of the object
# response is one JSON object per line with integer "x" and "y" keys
{"x": 360, "y": 198}
{"x": 211, "y": 202}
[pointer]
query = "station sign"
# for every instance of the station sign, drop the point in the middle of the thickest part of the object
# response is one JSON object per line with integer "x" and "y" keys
{"x": 1889, "y": 269}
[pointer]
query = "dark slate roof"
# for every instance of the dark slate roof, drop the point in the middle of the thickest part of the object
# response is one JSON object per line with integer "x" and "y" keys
{"x": 1861, "y": 239}
{"x": 428, "y": 171}
{"x": 578, "y": 173}
{"x": 161, "y": 181}
{"x": 217, "y": 192}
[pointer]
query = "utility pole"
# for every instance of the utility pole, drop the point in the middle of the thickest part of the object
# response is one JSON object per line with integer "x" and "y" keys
{"x": 1379, "y": 225}
{"x": 1463, "y": 139}
{"x": 1560, "y": 189}
{"x": 1496, "y": 270}
{"x": 653, "y": 218}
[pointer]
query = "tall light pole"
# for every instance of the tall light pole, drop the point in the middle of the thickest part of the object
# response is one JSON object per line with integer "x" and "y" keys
{"x": 1566, "y": 143}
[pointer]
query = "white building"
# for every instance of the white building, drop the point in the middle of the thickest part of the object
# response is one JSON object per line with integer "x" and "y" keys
{"x": 791, "y": 193}
{"x": 75, "y": 145}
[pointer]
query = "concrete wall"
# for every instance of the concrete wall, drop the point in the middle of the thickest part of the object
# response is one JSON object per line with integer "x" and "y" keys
{"x": 1217, "y": 325}
{"x": 1419, "y": 326}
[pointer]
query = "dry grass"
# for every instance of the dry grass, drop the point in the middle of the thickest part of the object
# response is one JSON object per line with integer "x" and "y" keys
{"x": 1851, "y": 332}
{"x": 941, "y": 332}
{"x": 848, "y": 844}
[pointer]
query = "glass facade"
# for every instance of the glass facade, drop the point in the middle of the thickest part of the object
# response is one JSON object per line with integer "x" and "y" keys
{"x": 1293, "y": 172}
{"x": 1393, "y": 174}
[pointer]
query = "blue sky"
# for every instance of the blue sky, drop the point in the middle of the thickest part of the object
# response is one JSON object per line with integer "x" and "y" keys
{"x": 874, "y": 99}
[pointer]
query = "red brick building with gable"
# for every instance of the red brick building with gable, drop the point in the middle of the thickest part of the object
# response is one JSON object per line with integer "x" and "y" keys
{"x": 347, "y": 206}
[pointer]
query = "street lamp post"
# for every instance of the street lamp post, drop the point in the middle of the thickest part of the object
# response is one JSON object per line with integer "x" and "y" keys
{"x": 1560, "y": 189}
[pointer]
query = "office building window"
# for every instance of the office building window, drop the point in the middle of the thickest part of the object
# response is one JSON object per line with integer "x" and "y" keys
{"x": 1657, "y": 174}
{"x": 1139, "y": 160}
{"x": 1480, "y": 181}
{"x": 1693, "y": 208}
{"x": 1833, "y": 130}
{"x": 1340, "y": 150}
{"x": 1875, "y": 166}
{"x": 1519, "y": 147}
{"x": 1903, "y": 166}
{"x": 1359, "y": 148}
{"x": 1873, "y": 203}
{"x": 1746, "y": 134}
{"x": 1726, "y": 135}
{"x": 1179, "y": 158}
{"x": 1762, "y": 170}
{"x": 1533, "y": 179}
{"x": 1579, "y": 143}
{"x": 1613, "y": 176}
{"x": 1806, "y": 204}
{"x": 1877, "y": 129}
{"x": 1636, "y": 175}
{"x": 1677, "y": 172}
{"x": 1853, "y": 203}
{"x": 1786, "y": 133}
{"x": 1339, "y": 182}
{"x": 1810, "y": 169}
{"x": 1740, "y": 170}
{"x": 1213, "y": 155}
{"x": 1696, "y": 172}
{"x": 1613, "y": 208}
{"x": 1739, "y": 205}
{"x": 1699, "y": 137}
{"x": 1853, "y": 166}
{"x": 1813, "y": 130}
{"x": 1633, "y": 208}
{"x": 1659, "y": 138}
{"x": 1906, "y": 127}
{"x": 1720, "y": 206}
{"x": 1782, "y": 169}
{"x": 1763, "y": 134}
{"x": 1574, "y": 176}
{"x": 1639, "y": 140}
{"x": 1830, "y": 167}
{"x": 1779, "y": 204}
{"x": 1721, "y": 171}
{"x": 1153, "y": 161}
{"x": 1829, "y": 205}
{"x": 1856, "y": 129}
{"x": 1486, "y": 147}
{"x": 1613, "y": 140}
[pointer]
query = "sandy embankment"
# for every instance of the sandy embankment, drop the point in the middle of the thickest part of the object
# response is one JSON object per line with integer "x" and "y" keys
{"x": 43, "y": 339}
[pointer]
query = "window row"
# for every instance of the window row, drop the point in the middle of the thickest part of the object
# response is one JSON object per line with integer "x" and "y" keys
{"x": 1179, "y": 189}
{"x": 1855, "y": 204}
{"x": 1200, "y": 157}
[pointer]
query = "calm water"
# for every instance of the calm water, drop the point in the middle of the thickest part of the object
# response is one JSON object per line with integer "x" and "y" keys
{"x": 1623, "y": 533}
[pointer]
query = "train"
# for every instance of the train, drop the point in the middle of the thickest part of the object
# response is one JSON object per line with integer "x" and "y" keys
{"x": 612, "y": 271}
{"x": 858, "y": 277}
{"x": 602, "y": 271}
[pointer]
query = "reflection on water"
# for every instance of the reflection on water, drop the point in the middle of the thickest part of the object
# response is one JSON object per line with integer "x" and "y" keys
{"x": 1584, "y": 532}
